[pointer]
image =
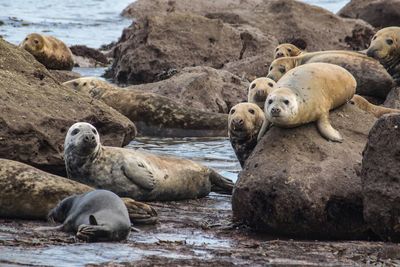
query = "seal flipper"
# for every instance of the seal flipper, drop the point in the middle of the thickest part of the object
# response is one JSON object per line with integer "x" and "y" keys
{"x": 220, "y": 184}
{"x": 139, "y": 173}
{"x": 93, "y": 233}
{"x": 265, "y": 126}
{"x": 326, "y": 129}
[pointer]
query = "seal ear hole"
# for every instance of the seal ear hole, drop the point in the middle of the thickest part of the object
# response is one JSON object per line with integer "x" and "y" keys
{"x": 253, "y": 85}
{"x": 75, "y": 132}
{"x": 270, "y": 101}
{"x": 389, "y": 41}
{"x": 252, "y": 111}
{"x": 286, "y": 102}
{"x": 270, "y": 84}
{"x": 233, "y": 111}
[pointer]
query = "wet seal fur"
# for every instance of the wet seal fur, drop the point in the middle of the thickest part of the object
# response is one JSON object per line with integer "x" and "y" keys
{"x": 29, "y": 193}
{"x": 287, "y": 50}
{"x": 153, "y": 114}
{"x": 259, "y": 90}
{"x": 385, "y": 47}
{"x": 307, "y": 93}
{"x": 53, "y": 53}
{"x": 99, "y": 215}
{"x": 136, "y": 173}
{"x": 372, "y": 78}
{"x": 244, "y": 123}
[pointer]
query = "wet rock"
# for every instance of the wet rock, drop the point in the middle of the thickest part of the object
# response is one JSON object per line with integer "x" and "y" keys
{"x": 298, "y": 184}
{"x": 64, "y": 75}
{"x": 86, "y": 57}
{"x": 36, "y": 111}
{"x": 283, "y": 19}
{"x": 202, "y": 88}
{"x": 393, "y": 98}
{"x": 381, "y": 178}
{"x": 379, "y": 13}
{"x": 146, "y": 49}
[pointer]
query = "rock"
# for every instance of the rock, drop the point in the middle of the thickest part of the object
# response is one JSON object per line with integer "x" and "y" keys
{"x": 86, "y": 57}
{"x": 380, "y": 176}
{"x": 393, "y": 98}
{"x": 379, "y": 13}
{"x": 146, "y": 49}
{"x": 64, "y": 75}
{"x": 202, "y": 88}
{"x": 298, "y": 184}
{"x": 283, "y": 19}
{"x": 36, "y": 112}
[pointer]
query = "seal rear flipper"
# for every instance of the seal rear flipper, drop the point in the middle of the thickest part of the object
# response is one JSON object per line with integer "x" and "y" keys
{"x": 326, "y": 129}
{"x": 50, "y": 228}
{"x": 140, "y": 213}
{"x": 139, "y": 173}
{"x": 220, "y": 184}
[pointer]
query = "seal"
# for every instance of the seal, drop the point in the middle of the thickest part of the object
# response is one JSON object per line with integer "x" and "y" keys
{"x": 376, "y": 110}
{"x": 259, "y": 90}
{"x": 306, "y": 94}
{"x": 99, "y": 215}
{"x": 372, "y": 78}
{"x": 29, "y": 193}
{"x": 51, "y": 52}
{"x": 244, "y": 123}
{"x": 153, "y": 114}
{"x": 287, "y": 50}
{"x": 136, "y": 173}
{"x": 385, "y": 47}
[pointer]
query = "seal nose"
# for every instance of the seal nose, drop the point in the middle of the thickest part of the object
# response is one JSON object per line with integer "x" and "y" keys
{"x": 371, "y": 52}
{"x": 238, "y": 123}
{"x": 271, "y": 77}
{"x": 279, "y": 54}
{"x": 275, "y": 111}
{"x": 89, "y": 138}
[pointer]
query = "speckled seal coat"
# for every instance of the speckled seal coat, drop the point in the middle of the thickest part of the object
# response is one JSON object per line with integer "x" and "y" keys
{"x": 136, "y": 173}
{"x": 245, "y": 121}
{"x": 99, "y": 215}
{"x": 51, "y": 52}
{"x": 307, "y": 93}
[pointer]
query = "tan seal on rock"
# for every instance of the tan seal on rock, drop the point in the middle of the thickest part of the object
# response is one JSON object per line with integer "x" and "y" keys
{"x": 153, "y": 114}
{"x": 29, "y": 193}
{"x": 48, "y": 50}
{"x": 372, "y": 78}
{"x": 259, "y": 90}
{"x": 306, "y": 94}
{"x": 136, "y": 173}
{"x": 385, "y": 47}
{"x": 287, "y": 50}
{"x": 376, "y": 110}
{"x": 244, "y": 123}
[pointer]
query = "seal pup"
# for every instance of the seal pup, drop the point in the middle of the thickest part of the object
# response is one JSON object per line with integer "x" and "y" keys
{"x": 287, "y": 50}
{"x": 307, "y": 93}
{"x": 259, "y": 90}
{"x": 29, "y": 193}
{"x": 385, "y": 47}
{"x": 99, "y": 215}
{"x": 372, "y": 78}
{"x": 376, "y": 110}
{"x": 244, "y": 123}
{"x": 51, "y": 52}
{"x": 136, "y": 173}
{"x": 153, "y": 114}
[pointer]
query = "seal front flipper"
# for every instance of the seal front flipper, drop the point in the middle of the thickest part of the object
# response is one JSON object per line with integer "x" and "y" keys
{"x": 220, "y": 184}
{"x": 138, "y": 172}
{"x": 265, "y": 127}
{"x": 93, "y": 232}
{"x": 326, "y": 129}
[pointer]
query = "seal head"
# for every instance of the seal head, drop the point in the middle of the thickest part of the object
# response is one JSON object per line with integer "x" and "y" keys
{"x": 279, "y": 67}
{"x": 33, "y": 43}
{"x": 82, "y": 140}
{"x": 281, "y": 106}
{"x": 259, "y": 90}
{"x": 287, "y": 50}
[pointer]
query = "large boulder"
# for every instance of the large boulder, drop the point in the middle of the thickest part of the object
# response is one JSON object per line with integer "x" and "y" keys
{"x": 298, "y": 184}
{"x": 203, "y": 88}
{"x": 36, "y": 112}
{"x": 379, "y": 13}
{"x": 146, "y": 49}
{"x": 283, "y": 19}
{"x": 381, "y": 178}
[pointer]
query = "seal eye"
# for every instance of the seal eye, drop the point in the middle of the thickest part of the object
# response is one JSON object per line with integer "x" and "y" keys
{"x": 270, "y": 101}
{"x": 389, "y": 41}
{"x": 26, "y": 39}
{"x": 74, "y": 132}
{"x": 253, "y": 85}
{"x": 36, "y": 41}
{"x": 282, "y": 69}
{"x": 270, "y": 85}
{"x": 251, "y": 111}
{"x": 94, "y": 131}
{"x": 286, "y": 102}
{"x": 290, "y": 50}
{"x": 276, "y": 50}
{"x": 374, "y": 37}
{"x": 85, "y": 83}
{"x": 232, "y": 111}
{"x": 270, "y": 68}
